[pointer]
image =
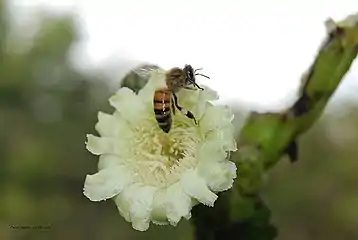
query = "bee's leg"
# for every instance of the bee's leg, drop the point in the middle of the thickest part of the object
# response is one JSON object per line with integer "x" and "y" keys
{"x": 196, "y": 85}
{"x": 187, "y": 113}
{"x": 193, "y": 88}
{"x": 189, "y": 88}
{"x": 173, "y": 107}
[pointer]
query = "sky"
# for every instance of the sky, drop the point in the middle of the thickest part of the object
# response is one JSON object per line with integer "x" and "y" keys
{"x": 253, "y": 50}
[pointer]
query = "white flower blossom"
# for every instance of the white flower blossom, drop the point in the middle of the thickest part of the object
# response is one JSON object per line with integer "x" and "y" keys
{"x": 155, "y": 176}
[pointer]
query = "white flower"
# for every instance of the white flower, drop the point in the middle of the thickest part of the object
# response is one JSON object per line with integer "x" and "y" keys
{"x": 157, "y": 176}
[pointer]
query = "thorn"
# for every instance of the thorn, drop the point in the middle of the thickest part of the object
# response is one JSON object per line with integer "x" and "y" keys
{"x": 292, "y": 151}
{"x": 301, "y": 106}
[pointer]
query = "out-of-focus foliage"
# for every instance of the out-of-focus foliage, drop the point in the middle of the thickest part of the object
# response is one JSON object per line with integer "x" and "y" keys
{"x": 46, "y": 109}
{"x": 317, "y": 198}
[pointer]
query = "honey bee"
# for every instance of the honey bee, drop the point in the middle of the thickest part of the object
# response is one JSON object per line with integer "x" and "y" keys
{"x": 165, "y": 100}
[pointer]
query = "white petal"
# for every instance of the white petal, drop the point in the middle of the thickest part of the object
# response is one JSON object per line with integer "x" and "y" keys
{"x": 208, "y": 94}
{"x": 171, "y": 205}
{"x": 107, "y": 183}
{"x": 156, "y": 81}
{"x": 223, "y": 137}
{"x": 123, "y": 206}
{"x": 160, "y": 223}
{"x": 196, "y": 187}
{"x": 141, "y": 208}
{"x": 215, "y": 117}
{"x": 139, "y": 199}
{"x": 218, "y": 175}
{"x": 109, "y": 161}
{"x": 107, "y": 145}
{"x": 123, "y": 128}
{"x": 195, "y": 100}
{"x": 228, "y": 139}
{"x": 99, "y": 145}
{"x": 210, "y": 150}
{"x": 204, "y": 96}
{"x": 112, "y": 125}
{"x": 159, "y": 212}
{"x": 178, "y": 204}
{"x": 188, "y": 98}
{"x": 106, "y": 124}
{"x": 128, "y": 104}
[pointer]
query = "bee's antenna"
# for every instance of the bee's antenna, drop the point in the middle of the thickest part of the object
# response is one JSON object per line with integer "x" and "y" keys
{"x": 197, "y": 70}
{"x": 201, "y": 75}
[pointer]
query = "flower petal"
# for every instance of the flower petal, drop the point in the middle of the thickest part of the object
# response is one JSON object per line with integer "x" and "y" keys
{"x": 215, "y": 117}
{"x": 107, "y": 145}
{"x": 99, "y": 145}
{"x": 106, "y": 124}
{"x": 156, "y": 81}
{"x": 189, "y": 98}
{"x": 109, "y": 161}
{"x": 228, "y": 139}
{"x": 211, "y": 150}
{"x": 204, "y": 96}
{"x": 208, "y": 94}
{"x": 159, "y": 212}
{"x": 107, "y": 183}
{"x": 178, "y": 204}
{"x": 196, "y": 187}
{"x": 223, "y": 137}
{"x": 159, "y": 223}
{"x": 218, "y": 175}
{"x": 195, "y": 100}
{"x": 171, "y": 204}
{"x": 137, "y": 200}
{"x": 123, "y": 206}
{"x": 128, "y": 105}
{"x": 112, "y": 125}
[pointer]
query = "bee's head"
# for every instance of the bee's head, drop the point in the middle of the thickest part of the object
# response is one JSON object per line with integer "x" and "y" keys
{"x": 190, "y": 75}
{"x": 189, "y": 71}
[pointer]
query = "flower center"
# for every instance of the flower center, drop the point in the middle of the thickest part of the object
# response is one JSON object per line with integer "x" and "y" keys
{"x": 161, "y": 157}
{"x": 170, "y": 148}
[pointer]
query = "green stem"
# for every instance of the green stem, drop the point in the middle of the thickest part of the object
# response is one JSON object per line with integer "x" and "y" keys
{"x": 266, "y": 138}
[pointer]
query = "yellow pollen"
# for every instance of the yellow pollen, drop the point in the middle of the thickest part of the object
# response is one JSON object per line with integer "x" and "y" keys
{"x": 160, "y": 158}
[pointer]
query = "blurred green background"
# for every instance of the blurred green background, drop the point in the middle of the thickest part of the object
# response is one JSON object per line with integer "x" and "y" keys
{"x": 47, "y": 107}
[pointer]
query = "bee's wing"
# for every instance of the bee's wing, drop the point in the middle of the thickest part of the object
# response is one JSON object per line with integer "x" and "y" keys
{"x": 145, "y": 70}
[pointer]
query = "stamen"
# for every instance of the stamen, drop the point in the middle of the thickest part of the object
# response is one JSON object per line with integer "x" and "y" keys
{"x": 165, "y": 155}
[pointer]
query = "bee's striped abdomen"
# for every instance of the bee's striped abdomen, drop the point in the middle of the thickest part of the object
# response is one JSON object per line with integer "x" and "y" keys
{"x": 162, "y": 102}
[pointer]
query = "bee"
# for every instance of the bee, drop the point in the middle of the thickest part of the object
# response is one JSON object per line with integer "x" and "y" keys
{"x": 165, "y": 100}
